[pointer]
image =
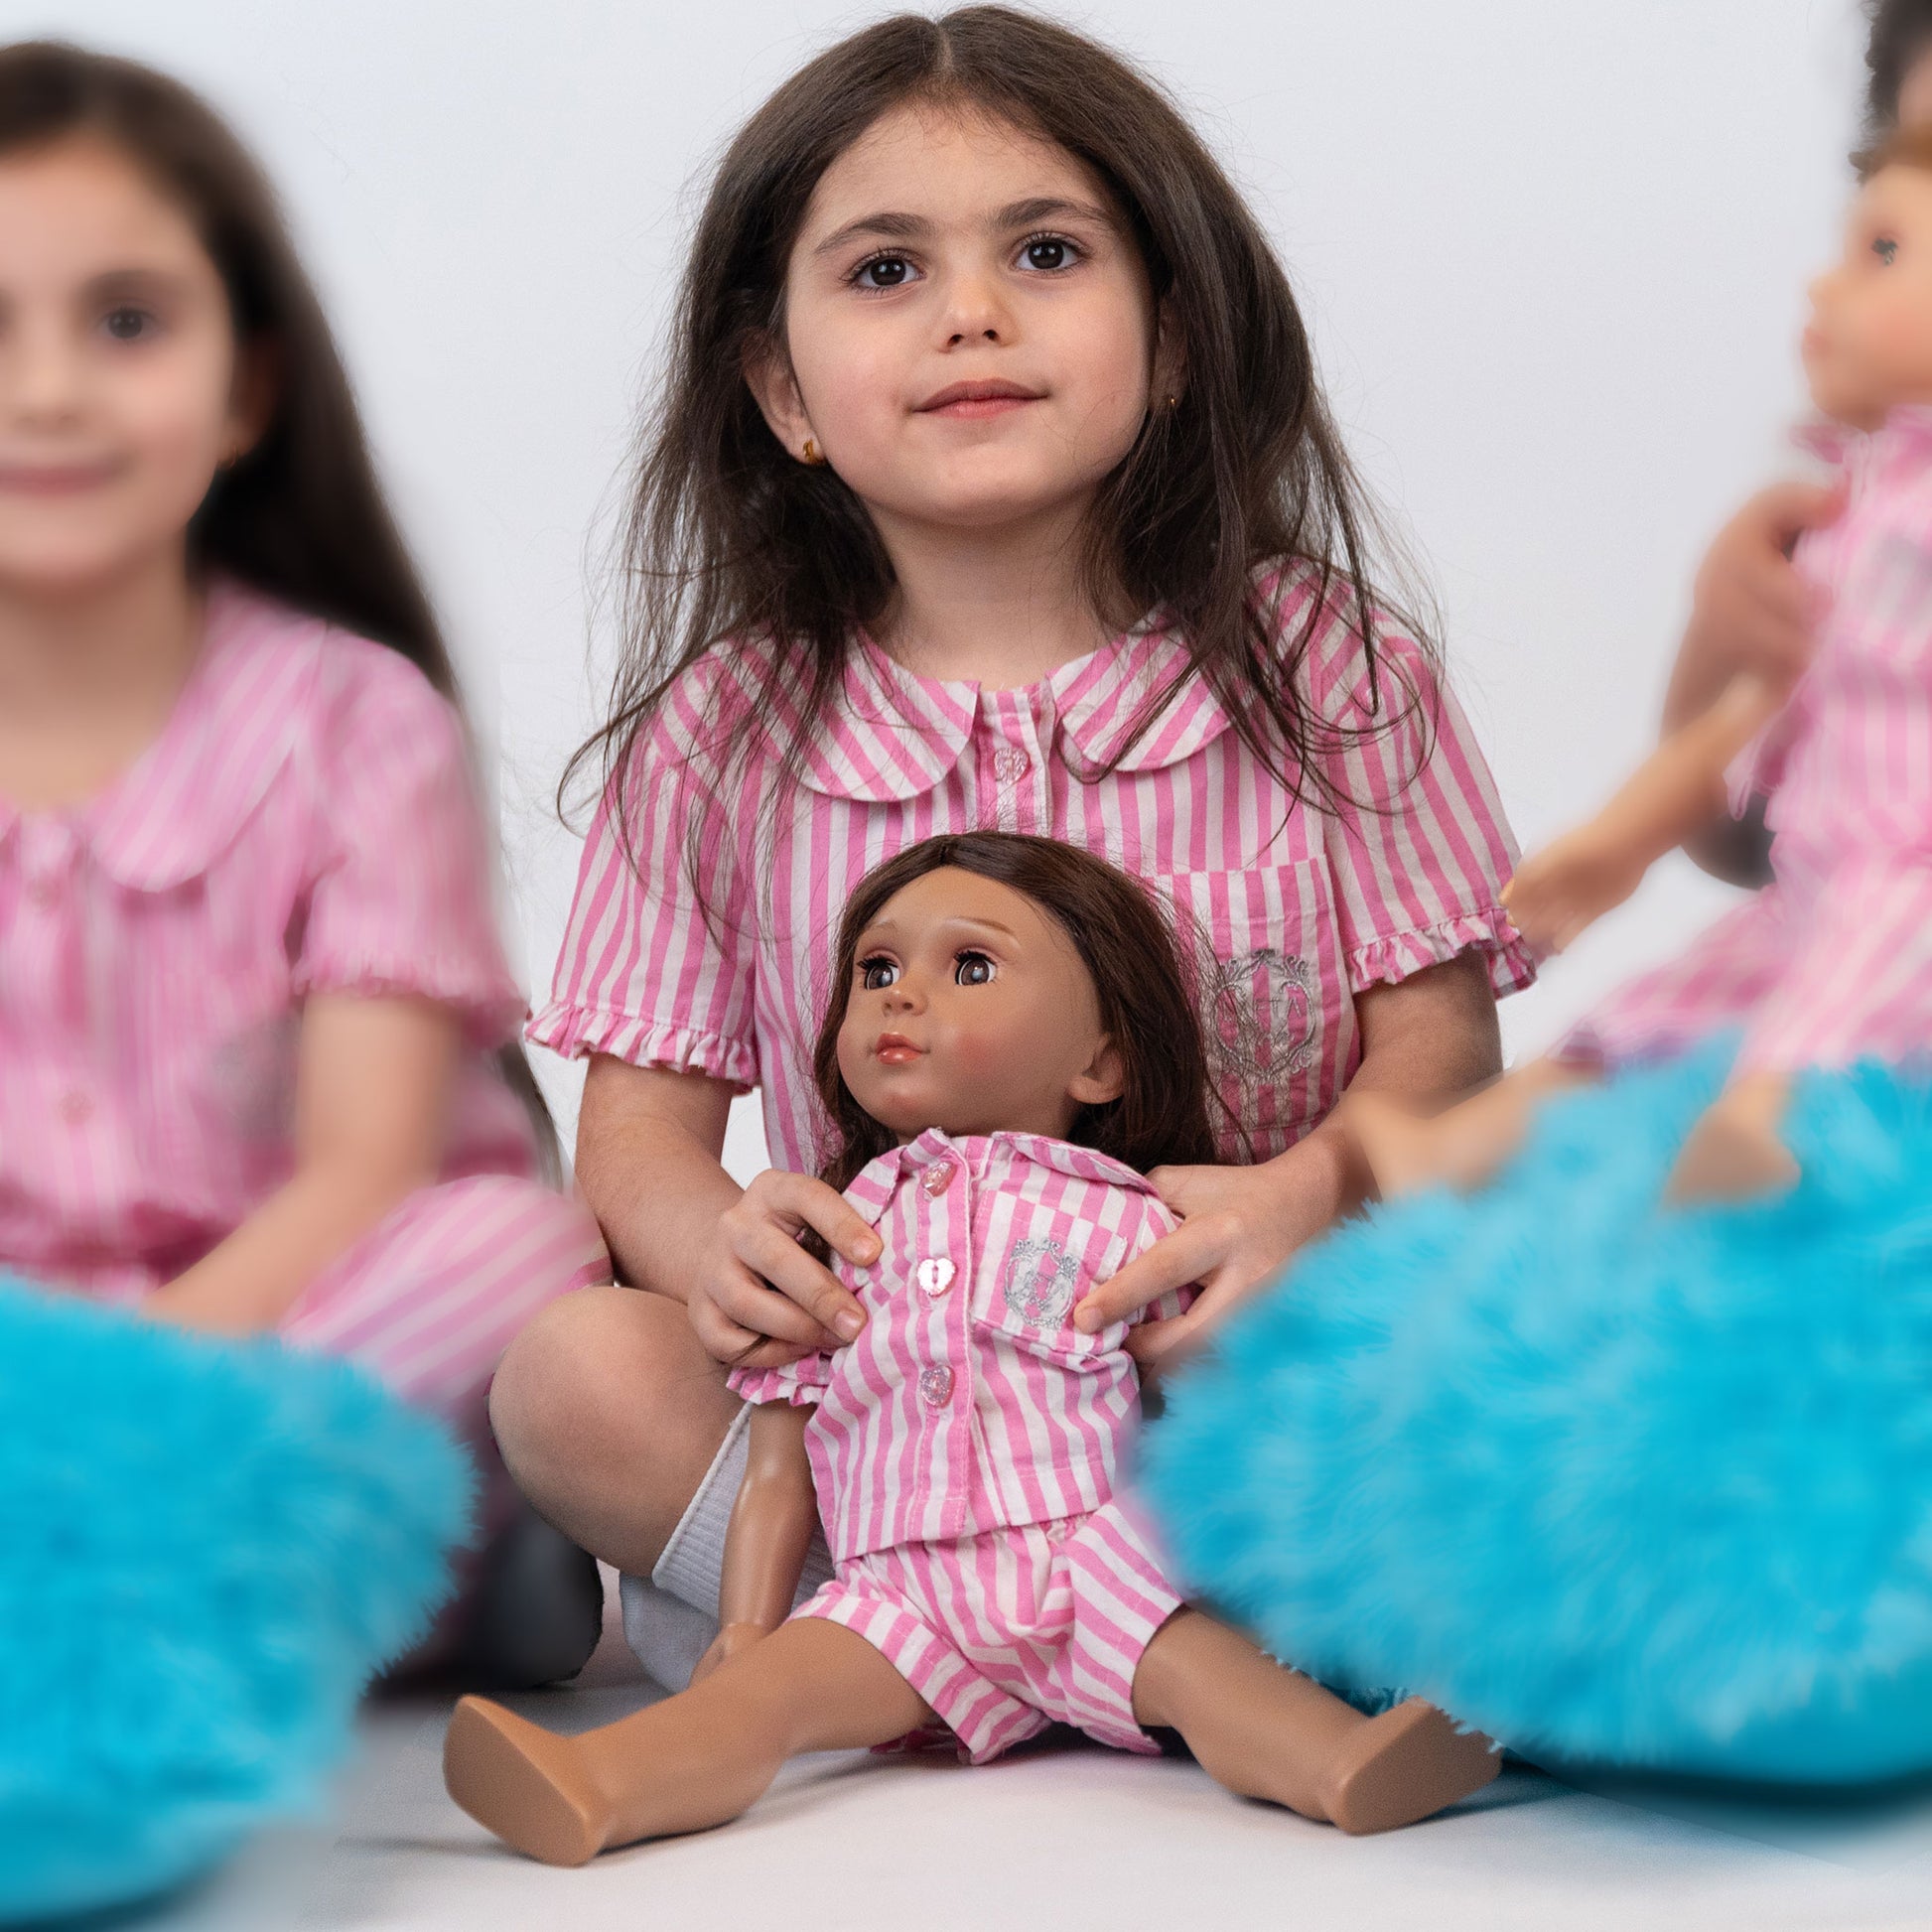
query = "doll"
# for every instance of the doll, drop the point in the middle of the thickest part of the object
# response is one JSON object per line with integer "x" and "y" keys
{"x": 1008, "y": 1044}
{"x": 1832, "y": 962}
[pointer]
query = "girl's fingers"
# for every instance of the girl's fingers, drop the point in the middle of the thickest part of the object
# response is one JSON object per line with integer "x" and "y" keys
{"x": 724, "y": 1340}
{"x": 747, "y": 1297}
{"x": 846, "y": 1231}
{"x": 774, "y": 1257}
{"x": 1172, "y": 1261}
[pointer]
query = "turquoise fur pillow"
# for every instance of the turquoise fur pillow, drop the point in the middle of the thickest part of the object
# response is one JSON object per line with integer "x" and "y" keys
{"x": 1613, "y": 1484}
{"x": 205, "y": 1550}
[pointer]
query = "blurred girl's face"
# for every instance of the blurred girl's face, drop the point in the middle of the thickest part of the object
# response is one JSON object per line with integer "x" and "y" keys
{"x": 1868, "y": 346}
{"x": 118, "y": 390}
{"x": 969, "y": 337}
{"x": 1915, "y": 91}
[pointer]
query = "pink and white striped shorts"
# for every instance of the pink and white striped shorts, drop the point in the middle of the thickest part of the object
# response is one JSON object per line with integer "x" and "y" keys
{"x": 1008, "y": 1632}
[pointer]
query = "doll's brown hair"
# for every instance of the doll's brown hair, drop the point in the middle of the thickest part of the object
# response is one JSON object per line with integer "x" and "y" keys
{"x": 1140, "y": 978}
{"x": 731, "y": 540}
{"x": 1900, "y": 35}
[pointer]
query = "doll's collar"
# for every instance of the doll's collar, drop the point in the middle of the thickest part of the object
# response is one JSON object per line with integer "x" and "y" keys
{"x": 880, "y": 1179}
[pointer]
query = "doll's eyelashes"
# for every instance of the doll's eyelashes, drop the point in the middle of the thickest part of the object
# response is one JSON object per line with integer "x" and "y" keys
{"x": 972, "y": 969}
{"x": 877, "y": 972}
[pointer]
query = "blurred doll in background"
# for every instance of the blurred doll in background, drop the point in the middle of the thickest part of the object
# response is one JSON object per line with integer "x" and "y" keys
{"x": 1830, "y": 963}
{"x": 255, "y": 1069}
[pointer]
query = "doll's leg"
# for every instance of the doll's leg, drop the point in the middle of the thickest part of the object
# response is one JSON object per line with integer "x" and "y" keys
{"x": 695, "y": 1760}
{"x": 1736, "y": 1151}
{"x": 1404, "y": 1152}
{"x": 1269, "y": 1733}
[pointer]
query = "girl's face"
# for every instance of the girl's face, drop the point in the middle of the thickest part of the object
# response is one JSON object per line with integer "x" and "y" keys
{"x": 969, "y": 336}
{"x": 1868, "y": 346}
{"x": 118, "y": 388}
{"x": 971, "y": 1010}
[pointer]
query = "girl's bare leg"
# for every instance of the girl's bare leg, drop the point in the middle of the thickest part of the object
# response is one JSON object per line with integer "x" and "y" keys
{"x": 695, "y": 1760}
{"x": 1736, "y": 1151}
{"x": 1463, "y": 1147}
{"x": 1269, "y": 1733}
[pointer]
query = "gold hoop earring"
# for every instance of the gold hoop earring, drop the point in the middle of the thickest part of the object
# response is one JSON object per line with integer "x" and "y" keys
{"x": 813, "y": 456}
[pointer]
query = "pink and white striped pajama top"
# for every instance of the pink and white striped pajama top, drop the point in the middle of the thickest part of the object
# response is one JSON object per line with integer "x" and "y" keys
{"x": 1833, "y": 961}
{"x": 964, "y": 1447}
{"x": 305, "y": 822}
{"x": 1303, "y": 907}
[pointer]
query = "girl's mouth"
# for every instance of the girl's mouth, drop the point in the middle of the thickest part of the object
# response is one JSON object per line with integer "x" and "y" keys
{"x": 896, "y": 1050}
{"x": 53, "y": 478}
{"x": 970, "y": 401}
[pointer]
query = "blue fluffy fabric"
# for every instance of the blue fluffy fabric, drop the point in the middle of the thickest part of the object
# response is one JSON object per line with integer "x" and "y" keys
{"x": 1613, "y": 1483}
{"x": 205, "y": 1550}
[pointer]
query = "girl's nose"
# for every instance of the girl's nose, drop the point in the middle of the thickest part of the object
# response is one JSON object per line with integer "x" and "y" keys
{"x": 976, "y": 314}
{"x": 42, "y": 375}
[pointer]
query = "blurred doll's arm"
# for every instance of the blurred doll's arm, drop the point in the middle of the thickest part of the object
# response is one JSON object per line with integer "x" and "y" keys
{"x": 372, "y": 1094}
{"x": 1672, "y": 794}
{"x": 771, "y": 1531}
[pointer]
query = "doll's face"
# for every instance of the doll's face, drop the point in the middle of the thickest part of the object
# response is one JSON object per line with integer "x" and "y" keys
{"x": 1868, "y": 348}
{"x": 971, "y": 1010}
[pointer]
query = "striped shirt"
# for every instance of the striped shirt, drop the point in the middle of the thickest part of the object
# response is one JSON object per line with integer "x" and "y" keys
{"x": 970, "y": 1402}
{"x": 1832, "y": 962}
{"x": 1297, "y": 908}
{"x": 306, "y": 821}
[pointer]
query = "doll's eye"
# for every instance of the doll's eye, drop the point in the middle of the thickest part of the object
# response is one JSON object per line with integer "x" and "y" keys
{"x": 972, "y": 969}
{"x": 1886, "y": 249}
{"x": 878, "y": 973}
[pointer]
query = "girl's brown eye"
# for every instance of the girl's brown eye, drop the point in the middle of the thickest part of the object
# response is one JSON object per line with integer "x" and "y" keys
{"x": 127, "y": 325}
{"x": 972, "y": 969}
{"x": 1886, "y": 249}
{"x": 877, "y": 974}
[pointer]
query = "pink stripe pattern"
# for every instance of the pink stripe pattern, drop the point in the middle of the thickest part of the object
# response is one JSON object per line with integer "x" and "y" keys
{"x": 970, "y": 1402}
{"x": 307, "y": 821}
{"x": 1830, "y": 963}
{"x": 1298, "y": 908}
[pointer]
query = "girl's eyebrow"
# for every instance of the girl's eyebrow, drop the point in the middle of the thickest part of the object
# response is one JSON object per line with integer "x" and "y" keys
{"x": 890, "y": 226}
{"x": 131, "y": 281}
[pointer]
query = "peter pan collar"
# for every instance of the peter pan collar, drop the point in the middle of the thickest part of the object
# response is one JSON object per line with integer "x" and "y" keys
{"x": 180, "y": 804}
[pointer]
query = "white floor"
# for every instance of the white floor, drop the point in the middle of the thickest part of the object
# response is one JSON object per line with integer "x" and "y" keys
{"x": 1061, "y": 1840}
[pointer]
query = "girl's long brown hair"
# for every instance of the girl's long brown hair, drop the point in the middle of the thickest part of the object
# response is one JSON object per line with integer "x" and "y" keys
{"x": 1141, "y": 980}
{"x": 728, "y": 538}
{"x": 301, "y": 516}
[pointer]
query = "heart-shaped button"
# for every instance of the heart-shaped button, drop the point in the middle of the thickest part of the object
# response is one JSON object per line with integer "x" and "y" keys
{"x": 936, "y": 1386}
{"x": 935, "y": 1273}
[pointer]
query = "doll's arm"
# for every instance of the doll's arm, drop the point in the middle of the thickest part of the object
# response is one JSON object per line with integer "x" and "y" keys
{"x": 1676, "y": 791}
{"x": 771, "y": 1531}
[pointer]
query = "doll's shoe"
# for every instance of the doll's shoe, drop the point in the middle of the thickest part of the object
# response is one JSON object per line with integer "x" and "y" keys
{"x": 524, "y": 1783}
{"x": 1405, "y": 1765}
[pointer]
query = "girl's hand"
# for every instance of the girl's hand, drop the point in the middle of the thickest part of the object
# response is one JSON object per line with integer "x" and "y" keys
{"x": 727, "y": 1645}
{"x": 760, "y": 1300}
{"x": 1238, "y": 1226}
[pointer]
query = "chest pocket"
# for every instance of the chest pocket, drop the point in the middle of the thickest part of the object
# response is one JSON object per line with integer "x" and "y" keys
{"x": 1279, "y": 1022}
{"x": 1029, "y": 1283}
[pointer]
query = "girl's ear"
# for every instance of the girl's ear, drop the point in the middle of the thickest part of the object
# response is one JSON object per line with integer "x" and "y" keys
{"x": 1104, "y": 1077}
{"x": 768, "y": 376}
{"x": 252, "y": 399}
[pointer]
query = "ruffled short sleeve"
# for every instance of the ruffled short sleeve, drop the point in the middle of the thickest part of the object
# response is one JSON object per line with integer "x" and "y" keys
{"x": 1418, "y": 844}
{"x": 800, "y": 1383}
{"x": 400, "y": 899}
{"x": 654, "y": 970}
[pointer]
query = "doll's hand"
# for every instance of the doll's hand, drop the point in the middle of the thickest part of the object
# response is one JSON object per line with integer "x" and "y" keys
{"x": 760, "y": 1300}
{"x": 1569, "y": 886}
{"x": 1237, "y": 1227}
{"x": 730, "y": 1642}
{"x": 184, "y": 1304}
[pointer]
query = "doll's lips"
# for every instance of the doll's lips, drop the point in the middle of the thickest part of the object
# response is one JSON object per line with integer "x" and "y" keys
{"x": 896, "y": 1050}
{"x": 973, "y": 399}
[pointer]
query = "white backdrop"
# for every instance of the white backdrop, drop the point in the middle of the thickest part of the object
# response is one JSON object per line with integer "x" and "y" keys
{"x": 1554, "y": 256}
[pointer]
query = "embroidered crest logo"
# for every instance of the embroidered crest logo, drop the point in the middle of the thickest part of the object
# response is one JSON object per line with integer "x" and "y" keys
{"x": 1262, "y": 1016}
{"x": 1041, "y": 1277}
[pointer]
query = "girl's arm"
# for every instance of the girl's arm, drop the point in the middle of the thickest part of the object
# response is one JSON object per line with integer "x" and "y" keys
{"x": 1432, "y": 1035}
{"x": 372, "y": 1093}
{"x": 647, "y": 1147}
{"x": 1677, "y": 790}
{"x": 772, "y": 1525}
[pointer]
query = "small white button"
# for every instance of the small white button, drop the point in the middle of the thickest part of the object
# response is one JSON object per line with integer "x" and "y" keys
{"x": 935, "y": 1275}
{"x": 75, "y": 1107}
{"x": 936, "y": 1386}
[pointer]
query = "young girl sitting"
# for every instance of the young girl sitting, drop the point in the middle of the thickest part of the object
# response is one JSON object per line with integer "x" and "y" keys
{"x": 254, "y": 1010}
{"x": 990, "y": 488}
{"x": 1012, "y": 1039}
